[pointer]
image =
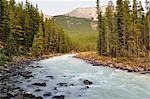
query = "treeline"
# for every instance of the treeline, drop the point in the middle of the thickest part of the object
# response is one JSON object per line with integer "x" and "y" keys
{"x": 124, "y": 30}
{"x": 24, "y": 31}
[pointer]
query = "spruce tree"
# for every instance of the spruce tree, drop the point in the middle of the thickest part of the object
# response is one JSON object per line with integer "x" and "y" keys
{"x": 135, "y": 29}
{"x": 38, "y": 43}
{"x": 110, "y": 33}
{"x": 4, "y": 20}
{"x": 100, "y": 40}
{"x": 119, "y": 28}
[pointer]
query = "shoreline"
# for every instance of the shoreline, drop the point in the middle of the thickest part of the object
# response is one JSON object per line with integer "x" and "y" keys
{"x": 124, "y": 64}
{"x": 14, "y": 69}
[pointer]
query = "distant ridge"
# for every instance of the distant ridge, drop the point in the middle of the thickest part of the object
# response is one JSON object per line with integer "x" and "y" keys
{"x": 88, "y": 12}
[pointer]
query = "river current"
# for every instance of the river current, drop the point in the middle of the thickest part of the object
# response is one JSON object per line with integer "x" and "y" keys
{"x": 108, "y": 83}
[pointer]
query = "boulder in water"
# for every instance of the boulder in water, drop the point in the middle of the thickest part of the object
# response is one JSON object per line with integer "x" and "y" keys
{"x": 62, "y": 84}
{"x": 39, "y": 84}
{"x": 58, "y": 97}
{"x": 52, "y": 77}
{"x": 87, "y": 82}
{"x": 47, "y": 94}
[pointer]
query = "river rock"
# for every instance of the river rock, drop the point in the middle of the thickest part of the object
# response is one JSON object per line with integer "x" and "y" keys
{"x": 52, "y": 77}
{"x": 130, "y": 70}
{"x": 29, "y": 95}
{"x": 39, "y": 84}
{"x": 87, "y": 82}
{"x": 47, "y": 94}
{"x": 87, "y": 87}
{"x": 71, "y": 84}
{"x": 39, "y": 97}
{"x": 37, "y": 90}
{"x": 18, "y": 97}
{"x": 59, "y": 97}
{"x": 26, "y": 75}
{"x": 36, "y": 66}
{"x": 62, "y": 84}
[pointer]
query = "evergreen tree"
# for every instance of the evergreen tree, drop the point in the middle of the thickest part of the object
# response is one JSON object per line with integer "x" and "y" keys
{"x": 127, "y": 28}
{"x": 110, "y": 33}
{"x": 101, "y": 29}
{"x": 119, "y": 28}
{"x": 10, "y": 45}
{"x": 4, "y": 20}
{"x": 135, "y": 29}
{"x": 38, "y": 44}
{"x": 147, "y": 29}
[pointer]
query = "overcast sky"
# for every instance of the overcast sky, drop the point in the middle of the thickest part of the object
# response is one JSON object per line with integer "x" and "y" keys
{"x": 57, "y": 7}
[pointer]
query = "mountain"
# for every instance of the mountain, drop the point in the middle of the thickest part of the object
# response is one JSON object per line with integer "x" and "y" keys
{"x": 88, "y": 12}
{"x": 79, "y": 26}
{"x": 82, "y": 31}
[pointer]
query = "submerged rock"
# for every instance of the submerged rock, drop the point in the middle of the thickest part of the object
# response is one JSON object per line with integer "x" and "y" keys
{"x": 52, "y": 77}
{"x": 29, "y": 95}
{"x": 62, "y": 84}
{"x": 39, "y": 97}
{"x": 47, "y": 94}
{"x": 26, "y": 75}
{"x": 39, "y": 84}
{"x": 36, "y": 66}
{"x": 87, "y": 87}
{"x": 59, "y": 97}
{"x": 37, "y": 90}
{"x": 87, "y": 82}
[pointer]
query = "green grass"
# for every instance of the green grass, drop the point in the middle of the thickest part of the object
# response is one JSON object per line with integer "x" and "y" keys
{"x": 79, "y": 30}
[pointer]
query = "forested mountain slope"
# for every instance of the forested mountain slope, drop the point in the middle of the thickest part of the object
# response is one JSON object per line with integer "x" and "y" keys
{"x": 82, "y": 31}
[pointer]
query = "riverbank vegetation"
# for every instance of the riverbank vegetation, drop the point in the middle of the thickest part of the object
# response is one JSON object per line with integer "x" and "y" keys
{"x": 124, "y": 30}
{"x": 124, "y": 37}
{"x": 131, "y": 65}
{"x": 24, "y": 31}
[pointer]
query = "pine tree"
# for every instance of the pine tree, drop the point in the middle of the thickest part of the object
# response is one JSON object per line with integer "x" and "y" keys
{"x": 147, "y": 29}
{"x": 4, "y": 20}
{"x": 38, "y": 43}
{"x": 120, "y": 28}
{"x": 127, "y": 28}
{"x": 135, "y": 29}
{"x": 101, "y": 29}
{"x": 10, "y": 45}
{"x": 110, "y": 33}
{"x": 46, "y": 35}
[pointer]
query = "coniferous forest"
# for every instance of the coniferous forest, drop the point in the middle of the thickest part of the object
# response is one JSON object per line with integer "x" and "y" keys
{"x": 124, "y": 30}
{"x": 100, "y": 52}
{"x": 24, "y": 31}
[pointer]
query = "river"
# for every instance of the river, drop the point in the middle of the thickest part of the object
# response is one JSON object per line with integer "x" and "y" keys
{"x": 108, "y": 83}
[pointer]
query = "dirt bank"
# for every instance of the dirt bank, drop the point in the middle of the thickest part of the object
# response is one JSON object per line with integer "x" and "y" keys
{"x": 141, "y": 65}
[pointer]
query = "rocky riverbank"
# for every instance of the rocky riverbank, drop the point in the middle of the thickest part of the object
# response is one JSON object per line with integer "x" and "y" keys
{"x": 130, "y": 65}
{"x": 13, "y": 70}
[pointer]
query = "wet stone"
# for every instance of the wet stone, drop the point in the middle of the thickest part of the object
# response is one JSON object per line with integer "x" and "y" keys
{"x": 29, "y": 95}
{"x": 87, "y": 87}
{"x": 58, "y": 97}
{"x": 39, "y": 84}
{"x": 62, "y": 84}
{"x": 26, "y": 75}
{"x": 52, "y": 77}
{"x": 39, "y": 97}
{"x": 87, "y": 82}
{"x": 37, "y": 90}
{"x": 47, "y": 94}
